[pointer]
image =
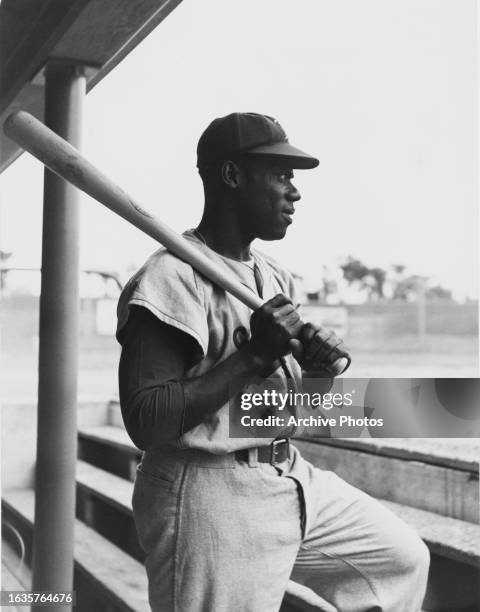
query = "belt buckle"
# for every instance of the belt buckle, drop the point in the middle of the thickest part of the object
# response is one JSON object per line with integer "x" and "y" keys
{"x": 274, "y": 452}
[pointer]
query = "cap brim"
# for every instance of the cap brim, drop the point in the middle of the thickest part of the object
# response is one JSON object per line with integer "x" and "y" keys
{"x": 289, "y": 154}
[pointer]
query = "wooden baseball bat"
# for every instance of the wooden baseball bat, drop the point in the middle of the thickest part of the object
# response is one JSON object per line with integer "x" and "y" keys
{"x": 63, "y": 159}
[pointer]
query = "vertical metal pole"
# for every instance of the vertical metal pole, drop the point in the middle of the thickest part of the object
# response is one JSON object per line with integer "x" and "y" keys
{"x": 58, "y": 352}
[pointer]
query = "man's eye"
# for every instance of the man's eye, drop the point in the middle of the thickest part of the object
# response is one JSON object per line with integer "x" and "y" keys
{"x": 285, "y": 176}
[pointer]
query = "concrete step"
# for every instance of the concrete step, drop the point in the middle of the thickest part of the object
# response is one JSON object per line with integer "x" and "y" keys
{"x": 106, "y": 578}
{"x": 110, "y": 448}
{"x": 437, "y": 475}
{"x": 108, "y": 487}
{"x": 456, "y": 453}
{"x": 104, "y": 502}
{"x": 446, "y": 537}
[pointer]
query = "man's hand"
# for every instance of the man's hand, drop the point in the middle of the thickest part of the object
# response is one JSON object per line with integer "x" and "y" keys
{"x": 273, "y": 327}
{"x": 319, "y": 351}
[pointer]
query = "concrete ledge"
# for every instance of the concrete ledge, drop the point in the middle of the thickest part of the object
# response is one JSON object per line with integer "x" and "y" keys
{"x": 104, "y": 504}
{"x": 457, "y": 453}
{"x": 409, "y": 472}
{"x": 109, "y": 447}
{"x": 446, "y": 537}
{"x": 108, "y": 487}
{"x": 111, "y": 435}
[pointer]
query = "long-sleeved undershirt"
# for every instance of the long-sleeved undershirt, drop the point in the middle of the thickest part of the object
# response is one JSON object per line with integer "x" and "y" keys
{"x": 154, "y": 358}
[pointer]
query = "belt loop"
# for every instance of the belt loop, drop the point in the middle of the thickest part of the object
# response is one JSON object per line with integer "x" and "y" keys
{"x": 276, "y": 443}
{"x": 253, "y": 457}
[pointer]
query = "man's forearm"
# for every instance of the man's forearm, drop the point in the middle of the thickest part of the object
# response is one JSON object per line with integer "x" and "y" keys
{"x": 205, "y": 394}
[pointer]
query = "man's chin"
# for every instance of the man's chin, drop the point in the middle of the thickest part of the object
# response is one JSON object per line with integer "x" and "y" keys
{"x": 274, "y": 235}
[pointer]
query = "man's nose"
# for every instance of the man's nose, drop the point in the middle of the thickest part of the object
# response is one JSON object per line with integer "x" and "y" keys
{"x": 293, "y": 193}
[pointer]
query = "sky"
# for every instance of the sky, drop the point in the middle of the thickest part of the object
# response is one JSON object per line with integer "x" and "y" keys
{"x": 383, "y": 92}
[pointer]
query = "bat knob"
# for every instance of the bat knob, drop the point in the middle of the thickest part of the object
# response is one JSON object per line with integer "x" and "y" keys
{"x": 339, "y": 366}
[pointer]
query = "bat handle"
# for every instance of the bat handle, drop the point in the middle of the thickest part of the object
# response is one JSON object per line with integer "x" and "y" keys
{"x": 337, "y": 361}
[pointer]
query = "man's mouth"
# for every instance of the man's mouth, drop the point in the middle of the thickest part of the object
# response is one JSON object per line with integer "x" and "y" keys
{"x": 287, "y": 214}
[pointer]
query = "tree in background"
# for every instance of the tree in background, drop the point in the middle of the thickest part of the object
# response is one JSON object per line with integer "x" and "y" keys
{"x": 405, "y": 287}
{"x": 393, "y": 283}
{"x": 439, "y": 293}
{"x": 354, "y": 269}
{"x": 371, "y": 279}
{"x": 379, "y": 277}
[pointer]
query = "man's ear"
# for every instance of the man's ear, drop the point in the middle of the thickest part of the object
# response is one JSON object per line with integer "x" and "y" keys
{"x": 231, "y": 174}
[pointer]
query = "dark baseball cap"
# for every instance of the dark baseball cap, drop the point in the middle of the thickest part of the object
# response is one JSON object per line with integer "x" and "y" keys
{"x": 250, "y": 134}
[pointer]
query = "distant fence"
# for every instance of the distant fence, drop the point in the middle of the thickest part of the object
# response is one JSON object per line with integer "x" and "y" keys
{"x": 19, "y": 318}
{"x": 393, "y": 319}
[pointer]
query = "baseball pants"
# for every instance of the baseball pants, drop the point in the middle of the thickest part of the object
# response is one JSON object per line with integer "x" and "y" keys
{"x": 226, "y": 536}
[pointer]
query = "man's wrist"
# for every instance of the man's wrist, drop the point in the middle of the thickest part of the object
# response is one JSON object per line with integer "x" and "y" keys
{"x": 258, "y": 361}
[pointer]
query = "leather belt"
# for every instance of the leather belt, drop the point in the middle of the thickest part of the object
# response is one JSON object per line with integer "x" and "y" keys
{"x": 276, "y": 452}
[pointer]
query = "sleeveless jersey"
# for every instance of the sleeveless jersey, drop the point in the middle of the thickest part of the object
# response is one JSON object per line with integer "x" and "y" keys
{"x": 181, "y": 297}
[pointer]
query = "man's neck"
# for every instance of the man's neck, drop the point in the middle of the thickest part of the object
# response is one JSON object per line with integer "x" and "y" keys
{"x": 224, "y": 237}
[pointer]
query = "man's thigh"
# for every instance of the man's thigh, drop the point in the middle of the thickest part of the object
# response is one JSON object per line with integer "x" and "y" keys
{"x": 356, "y": 553}
{"x": 226, "y": 539}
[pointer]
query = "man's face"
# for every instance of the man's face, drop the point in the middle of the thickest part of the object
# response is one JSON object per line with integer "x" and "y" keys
{"x": 268, "y": 198}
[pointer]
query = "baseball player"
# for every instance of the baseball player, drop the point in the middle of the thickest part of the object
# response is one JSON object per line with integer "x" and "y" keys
{"x": 225, "y": 521}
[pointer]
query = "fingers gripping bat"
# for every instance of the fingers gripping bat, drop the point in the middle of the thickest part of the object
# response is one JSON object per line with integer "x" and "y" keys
{"x": 63, "y": 159}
